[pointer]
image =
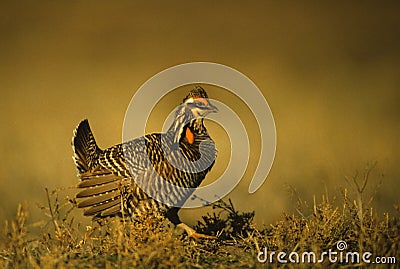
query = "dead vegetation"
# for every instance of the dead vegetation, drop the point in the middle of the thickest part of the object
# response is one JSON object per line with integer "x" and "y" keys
{"x": 152, "y": 243}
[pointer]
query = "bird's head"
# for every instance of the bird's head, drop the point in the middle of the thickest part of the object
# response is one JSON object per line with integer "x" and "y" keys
{"x": 198, "y": 104}
{"x": 195, "y": 106}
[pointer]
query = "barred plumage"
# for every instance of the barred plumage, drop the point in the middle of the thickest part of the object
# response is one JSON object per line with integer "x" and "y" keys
{"x": 110, "y": 178}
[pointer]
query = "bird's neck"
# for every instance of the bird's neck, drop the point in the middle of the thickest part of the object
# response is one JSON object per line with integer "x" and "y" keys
{"x": 197, "y": 126}
{"x": 187, "y": 131}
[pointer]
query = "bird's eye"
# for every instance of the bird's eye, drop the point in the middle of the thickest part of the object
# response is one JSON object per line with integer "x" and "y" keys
{"x": 200, "y": 104}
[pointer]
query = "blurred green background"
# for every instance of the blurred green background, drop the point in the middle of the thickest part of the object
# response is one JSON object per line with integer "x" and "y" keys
{"x": 329, "y": 71}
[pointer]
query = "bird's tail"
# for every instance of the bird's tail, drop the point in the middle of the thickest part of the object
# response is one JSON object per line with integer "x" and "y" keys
{"x": 86, "y": 151}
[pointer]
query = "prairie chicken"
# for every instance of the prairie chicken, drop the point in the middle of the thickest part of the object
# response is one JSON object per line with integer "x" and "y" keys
{"x": 117, "y": 181}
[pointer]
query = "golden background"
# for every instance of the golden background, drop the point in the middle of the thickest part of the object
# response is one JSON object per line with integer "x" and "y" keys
{"x": 330, "y": 74}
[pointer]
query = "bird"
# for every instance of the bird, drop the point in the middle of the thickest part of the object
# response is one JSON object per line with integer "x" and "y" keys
{"x": 124, "y": 179}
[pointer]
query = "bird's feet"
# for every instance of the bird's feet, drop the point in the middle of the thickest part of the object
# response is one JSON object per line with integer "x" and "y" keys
{"x": 193, "y": 234}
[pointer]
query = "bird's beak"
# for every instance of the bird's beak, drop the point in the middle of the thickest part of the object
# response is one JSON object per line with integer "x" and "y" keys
{"x": 212, "y": 109}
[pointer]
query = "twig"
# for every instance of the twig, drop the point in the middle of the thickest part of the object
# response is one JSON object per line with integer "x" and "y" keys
{"x": 56, "y": 227}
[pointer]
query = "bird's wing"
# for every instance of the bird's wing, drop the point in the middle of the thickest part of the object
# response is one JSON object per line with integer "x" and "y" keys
{"x": 106, "y": 187}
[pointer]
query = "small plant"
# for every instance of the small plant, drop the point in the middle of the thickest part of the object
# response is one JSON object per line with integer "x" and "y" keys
{"x": 228, "y": 223}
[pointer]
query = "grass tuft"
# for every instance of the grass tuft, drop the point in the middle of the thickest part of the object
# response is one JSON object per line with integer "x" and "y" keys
{"x": 152, "y": 242}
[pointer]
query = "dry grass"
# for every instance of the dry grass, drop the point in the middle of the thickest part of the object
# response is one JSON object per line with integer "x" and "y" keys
{"x": 152, "y": 242}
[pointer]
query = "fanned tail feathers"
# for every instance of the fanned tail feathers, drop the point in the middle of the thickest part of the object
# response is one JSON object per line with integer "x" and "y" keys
{"x": 86, "y": 151}
{"x": 101, "y": 188}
